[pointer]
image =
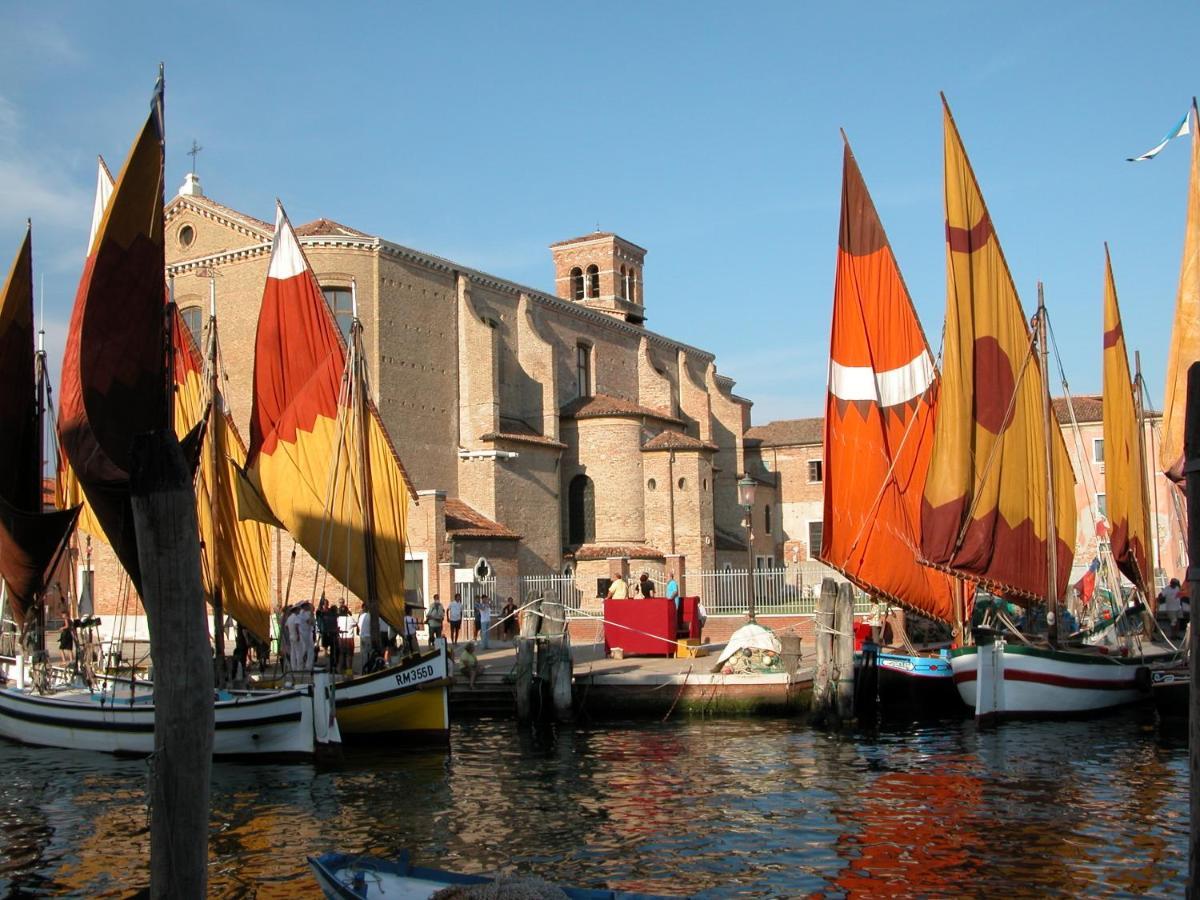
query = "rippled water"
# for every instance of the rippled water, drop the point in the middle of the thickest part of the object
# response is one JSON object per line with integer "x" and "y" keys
{"x": 717, "y": 808}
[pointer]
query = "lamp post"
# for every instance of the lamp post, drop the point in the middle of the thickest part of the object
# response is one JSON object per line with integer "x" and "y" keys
{"x": 746, "y": 487}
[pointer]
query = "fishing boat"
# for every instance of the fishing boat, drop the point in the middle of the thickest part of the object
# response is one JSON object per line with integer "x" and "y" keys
{"x": 116, "y": 384}
{"x": 999, "y": 505}
{"x": 322, "y": 467}
{"x": 879, "y": 419}
{"x": 345, "y": 876}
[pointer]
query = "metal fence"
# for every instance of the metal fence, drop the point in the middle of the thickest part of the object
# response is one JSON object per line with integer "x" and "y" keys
{"x": 788, "y": 591}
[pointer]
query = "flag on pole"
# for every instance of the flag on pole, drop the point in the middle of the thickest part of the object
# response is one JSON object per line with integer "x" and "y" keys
{"x": 1182, "y": 127}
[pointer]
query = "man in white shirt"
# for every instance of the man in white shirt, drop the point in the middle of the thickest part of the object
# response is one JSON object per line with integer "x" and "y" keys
{"x": 304, "y": 634}
{"x": 454, "y": 613}
{"x": 366, "y": 644}
{"x": 1168, "y": 604}
{"x": 618, "y": 590}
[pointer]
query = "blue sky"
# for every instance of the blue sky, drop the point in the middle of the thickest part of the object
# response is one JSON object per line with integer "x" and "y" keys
{"x": 707, "y": 133}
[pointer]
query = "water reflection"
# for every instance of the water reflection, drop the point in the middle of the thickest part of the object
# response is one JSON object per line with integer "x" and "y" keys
{"x": 751, "y": 808}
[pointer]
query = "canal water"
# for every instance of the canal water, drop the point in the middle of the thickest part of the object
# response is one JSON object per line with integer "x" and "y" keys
{"x": 710, "y": 808}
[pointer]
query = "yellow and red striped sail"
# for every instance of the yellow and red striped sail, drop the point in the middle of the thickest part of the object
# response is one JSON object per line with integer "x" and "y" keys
{"x": 879, "y": 417}
{"x": 113, "y": 384}
{"x": 68, "y": 490}
{"x": 31, "y": 540}
{"x": 236, "y": 553}
{"x": 305, "y": 460}
{"x": 985, "y": 511}
{"x": 1184, "y": 347}
{"x": 1124, "y": 464}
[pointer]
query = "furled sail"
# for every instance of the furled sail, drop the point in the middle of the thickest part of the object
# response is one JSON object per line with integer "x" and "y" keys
{"x": 31, "y": 540}
{"x": 113, "y": 384}
{"x": 1124, "y": 464}
{"x": 236, "y": 553}
{"x": 305, "y": 464}
{"x": 1184, "y": 346}
{"x": 68, "y": 490}
{"x": 985, "y": 511}
{"x": 879, "y": 417}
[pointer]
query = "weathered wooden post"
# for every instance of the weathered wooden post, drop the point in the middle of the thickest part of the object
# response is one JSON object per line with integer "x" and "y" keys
{"x": 1191, "y": 467}
{"x": 556, "y": 670}
{"x": 531, "y": 623}
{"x": 822, "y": 686}
{"x": 168, "y": 541}
{"x": 843, "y": 651}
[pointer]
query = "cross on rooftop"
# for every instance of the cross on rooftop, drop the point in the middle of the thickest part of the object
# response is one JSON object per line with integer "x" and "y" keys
{"x": 196, "y": 148}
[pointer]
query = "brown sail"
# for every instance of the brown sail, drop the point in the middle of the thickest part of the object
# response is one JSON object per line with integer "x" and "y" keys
{"x": 31, "y": 540}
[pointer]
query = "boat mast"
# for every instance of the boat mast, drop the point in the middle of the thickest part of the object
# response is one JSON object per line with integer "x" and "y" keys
{"x": 169, "y": 354}
{"x": 1048, "y": 423}
{"x": 1140, "y": 411}
{"x": 214, "y": 410}
{"x": 39, "y": 430}
{"x": 362, "y": 411}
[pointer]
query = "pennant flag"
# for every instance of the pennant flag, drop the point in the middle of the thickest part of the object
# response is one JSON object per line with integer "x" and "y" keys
{"x": 306, "y": 461}
{"x": 1184, "y": 346}
{"x": 31, "y": 541}
{"x": 113, "y": 384}
{"x": 1086, "y": 586}
{"x": 1182, "y": 127}
{"x": 879, "y": 416}
{"x": 1124, "y": 464}
{"x": 985, "y": 511}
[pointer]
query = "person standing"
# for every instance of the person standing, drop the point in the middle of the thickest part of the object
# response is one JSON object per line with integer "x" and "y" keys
{"x": 327, "y": 626}
{"x": 508, "y": 620}
{"x": 454, "y": 614}
{"x": 673, "y": 596}
{"x": 1169, "y": 606}
{"x": 618, "y": 590}
{"x": 304, "y": 631}
{"x": 434, "y": 616}
{"x": 410, "y": 632}
{"x": 345, "y": 626}
{"x": 645, "y": 586}
{"x": 366, "y": 641}
{"x": 483, "y": 620}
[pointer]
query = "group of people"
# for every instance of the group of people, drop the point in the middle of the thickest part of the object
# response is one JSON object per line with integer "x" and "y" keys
{"x": 336, "y": 628}
{"x": 438, "y": 617}
{"x": 618, "y": 589}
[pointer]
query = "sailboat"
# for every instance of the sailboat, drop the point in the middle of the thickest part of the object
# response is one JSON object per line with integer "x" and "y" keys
{"x": 322, "y": 467}
{"x": 999, "y": 504}
{"x": 879, "y": 419}
{"x": 115, "y": 385}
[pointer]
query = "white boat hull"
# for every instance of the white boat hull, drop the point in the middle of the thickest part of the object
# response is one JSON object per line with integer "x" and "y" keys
{"x": 999, "y": 680}
{"x": 296, "y": 723}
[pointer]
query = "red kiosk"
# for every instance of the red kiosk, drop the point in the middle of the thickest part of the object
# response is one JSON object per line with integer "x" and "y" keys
{"x": 647, "y": 626}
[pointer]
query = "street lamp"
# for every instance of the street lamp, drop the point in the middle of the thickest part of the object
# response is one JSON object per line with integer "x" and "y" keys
{"x": 746, "y": 487}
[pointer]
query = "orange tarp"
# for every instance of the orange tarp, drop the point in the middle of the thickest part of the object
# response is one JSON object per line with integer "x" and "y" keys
{"x": 879, "y": 417}
{"x": 985, "y": 513}
{"x": 1124, "y": 465}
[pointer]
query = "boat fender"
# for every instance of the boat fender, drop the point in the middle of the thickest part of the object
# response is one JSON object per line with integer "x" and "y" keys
{"x": 1142, "y": 679}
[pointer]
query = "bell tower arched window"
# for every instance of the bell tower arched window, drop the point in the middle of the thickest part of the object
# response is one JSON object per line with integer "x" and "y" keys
{"x": 593, "y": 282}
{"x": 623, "y": 284}
{"x": 577, "y": 283}
{"x": 581, "y": 511}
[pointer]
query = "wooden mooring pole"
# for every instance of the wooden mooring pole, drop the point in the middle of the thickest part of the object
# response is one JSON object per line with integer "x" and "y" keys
{"x": 843, "y": 652}
{"x": 1191, "y": 468}
{"x": 823, "y": 676}
{"x": 168, "y": 541}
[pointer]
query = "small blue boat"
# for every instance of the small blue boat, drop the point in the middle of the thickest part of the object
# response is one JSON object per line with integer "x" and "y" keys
{"x": 344, "y": 876}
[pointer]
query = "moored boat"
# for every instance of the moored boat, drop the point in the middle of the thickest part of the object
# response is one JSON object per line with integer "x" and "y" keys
{"x": 409, "y": 699}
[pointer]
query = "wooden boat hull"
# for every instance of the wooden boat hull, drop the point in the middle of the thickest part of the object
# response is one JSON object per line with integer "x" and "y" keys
{"x": 409, "y": 700}
{"x": 917, "y": 687}
{"x": 343, "y": 876}
{"x": 1172, "y": 692}
{"x": 269, "y": 724}
{"x": 1015, "y": 681}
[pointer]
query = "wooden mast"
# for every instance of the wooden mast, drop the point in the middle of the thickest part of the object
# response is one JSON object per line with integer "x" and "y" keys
{"x": 1051, "y": 532}
{"x": 1143, "y": 482}
{"x": 214, "y": 411}
{"x": 39, "y": 427}
{"x": 362, "y": 411}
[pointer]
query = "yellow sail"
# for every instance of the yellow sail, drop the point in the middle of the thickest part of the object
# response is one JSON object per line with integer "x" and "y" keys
{"x": 1184, "y": 347}
{"x": 306, "y": 458}
{"x": 1124, "y": 466}
{"x": 984, "y": 515}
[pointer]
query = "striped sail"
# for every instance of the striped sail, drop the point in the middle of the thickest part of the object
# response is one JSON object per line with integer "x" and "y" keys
{"x": 985, "y": 513}
{"x": 879, "y": 417}
{"x": 1124, "y": 466}
{"x": 305, "y": 466}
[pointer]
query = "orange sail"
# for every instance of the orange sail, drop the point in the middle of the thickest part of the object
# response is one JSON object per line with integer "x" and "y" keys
{"x": 113, "y": 383}
{"x": 31, "y": 541}
{"x": 879, "y": 417}
{"x": 985, "y": 511}
{"x": 1184, "y": 347}
{"x": 1124, "y": 464}
{"x": 306, "y": 468}
{"x": 236, "y": 553}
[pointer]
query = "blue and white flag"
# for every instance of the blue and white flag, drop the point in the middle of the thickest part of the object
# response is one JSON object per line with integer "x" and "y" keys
{"x": 1183, "y": 127}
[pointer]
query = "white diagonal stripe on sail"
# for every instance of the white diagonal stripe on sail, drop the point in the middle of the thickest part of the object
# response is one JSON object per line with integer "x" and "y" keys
{"x": 286, "y": 259}
{"x": 890, "y": 388}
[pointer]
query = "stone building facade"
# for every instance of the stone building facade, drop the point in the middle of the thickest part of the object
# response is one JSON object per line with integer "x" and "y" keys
{"x": 544, "y": 432}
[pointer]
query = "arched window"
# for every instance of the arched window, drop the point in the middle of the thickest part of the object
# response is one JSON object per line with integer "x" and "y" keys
{"x": 623, "y": 285}
{"x": 193, "y": 318}
{"x": 581, "y": 511}
{"x": 593, "y": 282}
{"x": 339, "y": 301}
{"x": 634, "y": 293}
{"x": 577, "y": 283}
